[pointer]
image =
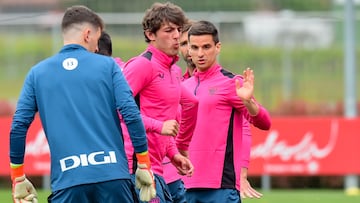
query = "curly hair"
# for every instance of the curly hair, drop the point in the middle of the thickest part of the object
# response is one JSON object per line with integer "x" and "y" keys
{"x": 160, "y": 13}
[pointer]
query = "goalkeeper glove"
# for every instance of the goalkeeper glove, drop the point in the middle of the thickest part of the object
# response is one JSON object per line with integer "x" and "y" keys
{"x": 22, "y": 189}
{"x": 145, "y": 177}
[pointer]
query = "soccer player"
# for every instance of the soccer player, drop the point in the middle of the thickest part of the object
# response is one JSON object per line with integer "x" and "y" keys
{"x": 184, "y": 50}
{"x": 156, "y": 83}
{"x": 105, "y": 48}
{"x": 171, "y": 177}
{"x": 173, "y": 181}
{"x": 78, "y": 95}
{"x": 225, "y": 100}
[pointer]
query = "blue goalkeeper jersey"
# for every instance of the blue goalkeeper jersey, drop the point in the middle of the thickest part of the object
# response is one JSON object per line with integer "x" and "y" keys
{"x": 78, "y": 95}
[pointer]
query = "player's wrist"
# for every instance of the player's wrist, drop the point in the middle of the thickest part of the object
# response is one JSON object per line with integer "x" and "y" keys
{"x": 143, "y": 158}
{"x": 248, "y": 101}
{"x": 19, "y": 179}
{"x": 17, "y": 172}
{"x": 252, "y": 106}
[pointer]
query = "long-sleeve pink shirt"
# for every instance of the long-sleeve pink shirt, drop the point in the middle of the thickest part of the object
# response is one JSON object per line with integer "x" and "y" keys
{"x": 155, "y": 80}
{"x": 216, "y": 147}
{"x": 170, "y": 173}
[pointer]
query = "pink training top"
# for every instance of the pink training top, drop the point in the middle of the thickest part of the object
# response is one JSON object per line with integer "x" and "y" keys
{"x": 246, "y": 140}
{"x": 170, "y": 173}
{"x": 156, "y": 84}
{"x": 186, "y": 75}
{"x": 119, "y": 62}
{"x": 215, "y": 149}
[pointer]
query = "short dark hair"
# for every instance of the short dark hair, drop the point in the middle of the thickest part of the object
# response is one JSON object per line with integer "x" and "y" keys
{"x": 204, "y": 27}
{"x": 80, "y": 14}
{"x": 187, "y": 25}
{"x": 160, "y": 13}
{"x": 105, "y": 44}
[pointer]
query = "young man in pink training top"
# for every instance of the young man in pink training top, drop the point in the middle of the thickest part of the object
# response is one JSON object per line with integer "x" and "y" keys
{"x": 171, "y": 176}
{"x": 172, "y": 179}
{"x": 225, "y": 100}
{"x": 155, "y": 80}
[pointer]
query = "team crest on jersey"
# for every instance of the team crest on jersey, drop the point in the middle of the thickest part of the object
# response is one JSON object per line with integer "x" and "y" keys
{"x": 70, "y": 63}
{"x": 161, "y": 75}
{"x": 212, "y": 90}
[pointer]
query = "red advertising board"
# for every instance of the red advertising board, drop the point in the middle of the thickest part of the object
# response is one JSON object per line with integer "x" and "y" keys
{"x": 293, "y": 146}
{"x": 37, "y": 155}
{"x": 307, "y": 146}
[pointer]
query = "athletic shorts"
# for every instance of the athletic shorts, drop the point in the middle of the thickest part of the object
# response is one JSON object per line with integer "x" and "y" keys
{"x": 205, "y": 195}
{"x": 115, "y": 191}
{"x": 177, "y": 191}
{"x": 162, "y": 191}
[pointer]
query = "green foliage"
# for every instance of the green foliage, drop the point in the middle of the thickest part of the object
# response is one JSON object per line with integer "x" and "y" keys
{"x": 316, "y": 76}
{"x": 206, "y": 5}
{"x": 126, "y": 48}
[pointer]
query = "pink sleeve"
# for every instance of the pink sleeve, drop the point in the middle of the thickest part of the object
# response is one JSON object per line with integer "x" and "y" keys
{"x": 246, "y": 144}
{"x": 171, "y": 149}
{"x": 136, "y": 75}
{"x": 152, "y": 125}
{"x": 138, "y": 78}
{"x": 261, "y": 120}
{"x": 189, "y": 108}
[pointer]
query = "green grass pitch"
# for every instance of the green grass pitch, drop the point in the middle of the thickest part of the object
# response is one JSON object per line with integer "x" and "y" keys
{"x": 273, "y": 196}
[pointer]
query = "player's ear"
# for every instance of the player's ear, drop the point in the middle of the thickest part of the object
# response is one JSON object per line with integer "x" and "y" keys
{"x": 218, "y": 47}
{"x": 150, "y": 35}
{"x": 86, "y": 34}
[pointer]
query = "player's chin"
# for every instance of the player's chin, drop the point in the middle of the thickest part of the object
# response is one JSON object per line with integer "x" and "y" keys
{"x": 174, "y": 51}
{"x": 202, "y": 66}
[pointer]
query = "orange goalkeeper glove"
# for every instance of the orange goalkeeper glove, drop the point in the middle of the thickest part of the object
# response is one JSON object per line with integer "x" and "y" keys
{"x": 144, "y": 177}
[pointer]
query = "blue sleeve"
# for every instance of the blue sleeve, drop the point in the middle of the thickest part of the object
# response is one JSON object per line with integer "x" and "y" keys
{"x": 23, "y": 117}
{"x": 125, "y": 103}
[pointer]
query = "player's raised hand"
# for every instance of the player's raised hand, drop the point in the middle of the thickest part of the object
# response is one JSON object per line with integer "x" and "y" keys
{"x": 246, "y": 90}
